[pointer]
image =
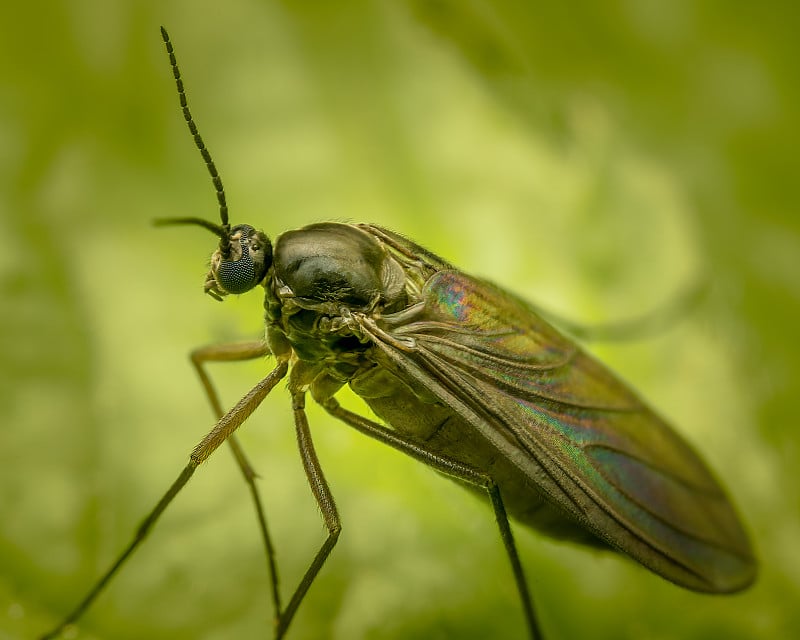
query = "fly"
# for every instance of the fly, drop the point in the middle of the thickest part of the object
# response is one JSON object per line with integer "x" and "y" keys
{"x": 467, "y": 379}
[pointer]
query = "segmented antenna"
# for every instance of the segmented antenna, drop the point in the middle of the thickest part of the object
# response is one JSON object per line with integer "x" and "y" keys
{"x": 224, "y": 243}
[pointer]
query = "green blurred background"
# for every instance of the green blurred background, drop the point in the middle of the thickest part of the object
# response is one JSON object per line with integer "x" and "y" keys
{"x": 596, "y": 158}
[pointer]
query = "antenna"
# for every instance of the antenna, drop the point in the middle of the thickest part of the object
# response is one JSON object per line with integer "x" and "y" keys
{"x": 224, "y": 243}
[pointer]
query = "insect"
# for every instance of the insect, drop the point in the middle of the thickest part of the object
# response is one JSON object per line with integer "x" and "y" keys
{"x": 467, "y": 379}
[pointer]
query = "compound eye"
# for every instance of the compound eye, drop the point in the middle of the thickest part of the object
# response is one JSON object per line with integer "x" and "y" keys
{"x": 251, "y": 257}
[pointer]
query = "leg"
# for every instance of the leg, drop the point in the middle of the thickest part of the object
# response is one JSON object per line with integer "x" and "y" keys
{"x": 223, "y": 429}
{"x": 457, "y": 470}
{"x": 324, "y": 498}
{"x": 237, "y": 352}
{"x": 141, "y": 534}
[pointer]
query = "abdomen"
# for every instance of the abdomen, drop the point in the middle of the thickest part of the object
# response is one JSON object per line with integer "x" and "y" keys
{"x": 417, "y": 414}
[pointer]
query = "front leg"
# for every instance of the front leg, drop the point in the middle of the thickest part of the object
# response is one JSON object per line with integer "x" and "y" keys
{"x": 239, "y": 352}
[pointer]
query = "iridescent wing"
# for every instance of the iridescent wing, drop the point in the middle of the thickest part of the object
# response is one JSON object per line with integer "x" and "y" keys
{"x": 575, "y": 430}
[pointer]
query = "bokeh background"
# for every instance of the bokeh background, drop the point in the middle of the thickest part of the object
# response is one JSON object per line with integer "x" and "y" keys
{"x": 596, "y": 158}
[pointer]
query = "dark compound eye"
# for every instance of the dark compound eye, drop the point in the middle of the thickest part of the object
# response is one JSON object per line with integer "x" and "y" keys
{"x": 249, "y": 264}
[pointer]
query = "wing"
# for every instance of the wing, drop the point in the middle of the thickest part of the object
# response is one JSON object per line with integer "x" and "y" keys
{"x": 577, "y": 432}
